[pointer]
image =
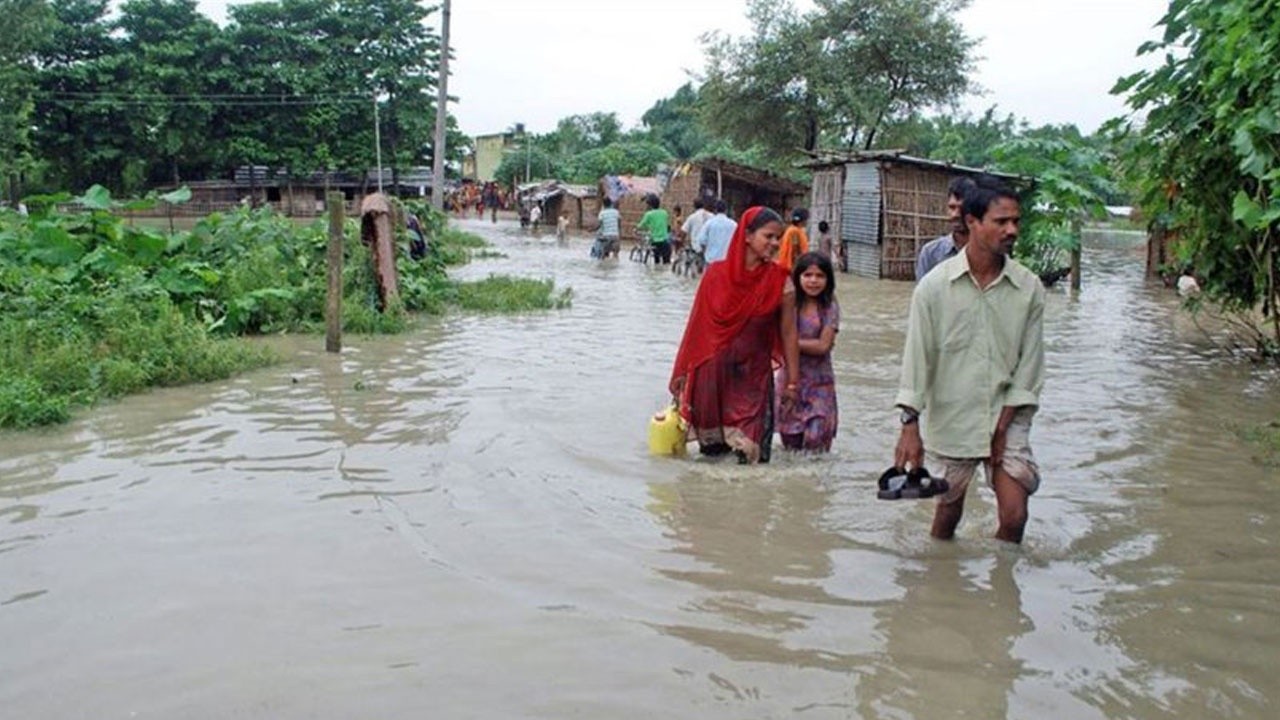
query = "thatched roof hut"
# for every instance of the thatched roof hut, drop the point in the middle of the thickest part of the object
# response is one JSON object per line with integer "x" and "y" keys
{"x": 883, "y": 206}
{"x": 741, "y": 186}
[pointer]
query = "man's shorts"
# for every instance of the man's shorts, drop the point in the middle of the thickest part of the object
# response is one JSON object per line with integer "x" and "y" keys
{"x": 1018, "y": 462}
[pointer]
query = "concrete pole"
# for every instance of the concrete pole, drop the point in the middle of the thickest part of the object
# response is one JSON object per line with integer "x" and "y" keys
{"x": 442, "y": 114}
{"x": 333, "y": 301}
{"x": 377, "y": 140}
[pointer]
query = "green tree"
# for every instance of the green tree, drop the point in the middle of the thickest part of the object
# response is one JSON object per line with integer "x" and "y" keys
{"x": 674, "y": 123}
{"x": 22, "y": 22}
{"x": 579, "y": 133}
{"x": 1070, "y": 186}
{"x": 838, "y": 74}
{"x": 620, "y": 158}
{"x": 1207, "y": 155}
{"x": 174, "y": 55}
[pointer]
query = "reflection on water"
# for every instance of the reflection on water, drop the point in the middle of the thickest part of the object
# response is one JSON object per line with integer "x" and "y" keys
{"x": 467, "y": 517}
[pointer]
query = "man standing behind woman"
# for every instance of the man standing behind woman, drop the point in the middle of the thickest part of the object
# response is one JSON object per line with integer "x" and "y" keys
{"x": 941, "y": 248}
{"x": 657, "y": 224}
{"x": 973, "y": 362}
{"x": 693, "y": 225}
{"x": 716, "y": 233}
{"x": 742, "y": 324}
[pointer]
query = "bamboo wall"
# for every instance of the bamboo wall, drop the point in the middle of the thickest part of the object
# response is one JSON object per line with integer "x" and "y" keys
{"x": 915, "y": 212}
{"x": 825, "y": 200}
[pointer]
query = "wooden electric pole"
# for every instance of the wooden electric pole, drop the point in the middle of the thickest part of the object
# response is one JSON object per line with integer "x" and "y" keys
{"x": 442, "y": 115}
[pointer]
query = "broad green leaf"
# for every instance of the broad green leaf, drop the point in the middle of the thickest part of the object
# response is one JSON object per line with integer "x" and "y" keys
{"x": 177, "y": 197}
{"x": 1244, "y": 210}
{"x": 145, "y": 247}
{"x": 96, "y": 198}
{"x": 54, "y": 246}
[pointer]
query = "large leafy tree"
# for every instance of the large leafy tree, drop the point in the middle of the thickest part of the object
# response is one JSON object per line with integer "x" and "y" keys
{"x": 173, "y": 57}
{"x": 674, "y": 123}
{"x": 80, "y": 127}
{"x": 619, "y": 158}
{"x": 159, "y": 93}
{"x": 579, "y": 133}
{"x": 837, "y": 74}
{"x": 22, "y": 22}
{"x": 396, "y": 57}
{"x": 1207, "y": 153}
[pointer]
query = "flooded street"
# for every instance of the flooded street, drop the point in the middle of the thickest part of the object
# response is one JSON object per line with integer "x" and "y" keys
{"x": 464, "y": 522}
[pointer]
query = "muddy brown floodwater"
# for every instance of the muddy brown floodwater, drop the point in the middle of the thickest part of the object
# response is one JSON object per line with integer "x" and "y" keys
{"x": 464, "y": 523}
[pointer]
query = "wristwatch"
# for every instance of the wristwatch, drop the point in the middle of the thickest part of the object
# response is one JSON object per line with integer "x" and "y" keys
{"x": 908, "y": 416}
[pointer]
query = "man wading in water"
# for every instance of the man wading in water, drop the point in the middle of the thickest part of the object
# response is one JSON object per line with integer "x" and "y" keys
{"x": 974, "y": 361}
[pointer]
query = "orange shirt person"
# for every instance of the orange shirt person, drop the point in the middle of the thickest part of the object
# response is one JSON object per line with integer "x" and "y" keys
{"x": 795, "y": 241}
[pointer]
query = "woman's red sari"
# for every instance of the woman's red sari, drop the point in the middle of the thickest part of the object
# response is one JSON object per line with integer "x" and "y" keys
{"x": 731, "y": 345}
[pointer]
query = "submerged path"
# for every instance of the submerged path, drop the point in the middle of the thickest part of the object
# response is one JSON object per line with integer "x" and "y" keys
{"x": 464, "y": 522}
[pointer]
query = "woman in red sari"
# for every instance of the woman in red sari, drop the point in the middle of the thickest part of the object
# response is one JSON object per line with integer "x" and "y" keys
{"x": 742, "y": 326}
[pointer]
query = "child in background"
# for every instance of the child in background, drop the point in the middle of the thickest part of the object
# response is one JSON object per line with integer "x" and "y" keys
{"x": 562, "y": 226}
{"x": 810, "y": 422}
{"x": 795, "y": 242}
{"x": 828, "y": 246}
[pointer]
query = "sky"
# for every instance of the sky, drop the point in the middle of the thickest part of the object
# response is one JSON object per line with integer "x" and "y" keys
{"x": 536, "y": 61}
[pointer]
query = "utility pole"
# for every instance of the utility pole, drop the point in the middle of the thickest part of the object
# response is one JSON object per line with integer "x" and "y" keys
{"x": 442, "y": 114}
{"x": 377, "y": 139}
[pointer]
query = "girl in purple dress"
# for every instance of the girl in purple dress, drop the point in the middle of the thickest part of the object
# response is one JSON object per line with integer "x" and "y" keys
{"x": 810, "y": 422}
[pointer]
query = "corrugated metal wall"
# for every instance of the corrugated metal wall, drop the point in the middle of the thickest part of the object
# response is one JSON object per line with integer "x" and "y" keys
{"x": 860, "y": 227}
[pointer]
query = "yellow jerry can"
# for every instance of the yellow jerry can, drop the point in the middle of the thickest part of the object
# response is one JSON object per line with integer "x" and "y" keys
{"x": 667, "y": 432}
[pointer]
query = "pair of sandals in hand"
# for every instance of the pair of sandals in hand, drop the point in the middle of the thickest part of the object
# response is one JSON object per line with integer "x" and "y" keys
{"x": 916, "y": 484}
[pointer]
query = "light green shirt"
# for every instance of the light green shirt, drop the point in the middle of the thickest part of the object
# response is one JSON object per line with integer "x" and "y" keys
{"x": 970, "y": 352}
{"x": 657, "y": 222}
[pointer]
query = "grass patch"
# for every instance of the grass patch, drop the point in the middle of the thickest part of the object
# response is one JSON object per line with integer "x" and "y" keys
{"x": 93, "y": 308}
{"x": 51, "y": 365}
{"x": 1266, "y": 439}
{"x": 504, "y": 294}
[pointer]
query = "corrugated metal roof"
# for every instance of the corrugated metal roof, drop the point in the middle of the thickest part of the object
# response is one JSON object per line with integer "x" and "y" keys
{"x": 827, "y": 158}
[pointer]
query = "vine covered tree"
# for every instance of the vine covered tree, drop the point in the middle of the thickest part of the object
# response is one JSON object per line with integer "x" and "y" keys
{"x": 1207, "y": 155}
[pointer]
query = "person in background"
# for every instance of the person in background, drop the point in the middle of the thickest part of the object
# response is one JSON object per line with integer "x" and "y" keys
{"x": 795, "y": 241}
{"x": 716, "y": 233}
{"x": 810, "y": 422}
{"x": 535, "y": 216}
{"x": 973, "y": 361}
{"x": 693, "y": 224}
{"x": 417, "y": 239}
{"x": 677, "y": 221}
{"x": 742, "y": 323}
{"x": 941, "y": 248}
{"x": 826, "y": 244}
{"x": 491, "y": 200}
{"x": 562, "y": 226}
{"x": 657, "y": 224}
{"x": 610, "y": 229}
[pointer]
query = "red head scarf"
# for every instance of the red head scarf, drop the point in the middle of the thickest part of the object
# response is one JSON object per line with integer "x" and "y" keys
{"x": 728, "y": 296}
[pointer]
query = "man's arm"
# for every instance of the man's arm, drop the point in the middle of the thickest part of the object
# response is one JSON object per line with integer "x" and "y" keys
{"x": 913, "y": 384}
{"x": 924, "y": 260}
{"x": 1028, "y": 375}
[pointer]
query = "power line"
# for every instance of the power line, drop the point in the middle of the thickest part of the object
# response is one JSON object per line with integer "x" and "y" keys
{"x": 187, "y": 100}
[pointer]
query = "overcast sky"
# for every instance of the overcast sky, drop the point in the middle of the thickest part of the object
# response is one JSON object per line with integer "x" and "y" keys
{"x": 536, "y": 61}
